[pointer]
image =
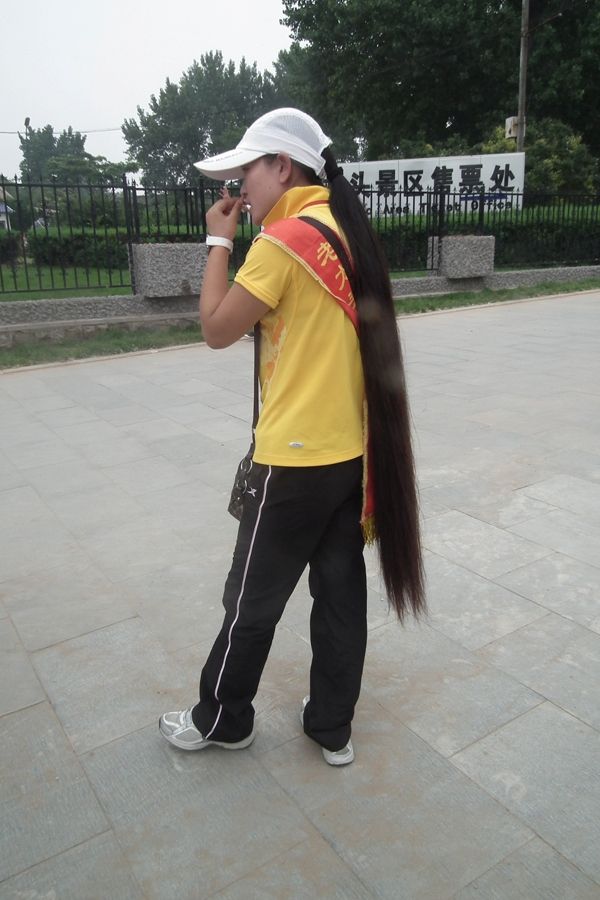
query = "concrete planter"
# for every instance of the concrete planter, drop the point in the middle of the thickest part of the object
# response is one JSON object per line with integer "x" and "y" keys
{"x": 468, "y": 256}
{"x": 168, "y": 270}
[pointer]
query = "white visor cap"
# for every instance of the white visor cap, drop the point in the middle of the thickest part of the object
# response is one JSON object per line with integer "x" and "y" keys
{"x": 284, "y": 130}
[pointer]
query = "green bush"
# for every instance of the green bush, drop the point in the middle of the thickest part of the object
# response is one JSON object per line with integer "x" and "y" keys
{"x": 556, "y": 158}
{"x": 9, "y": 246}
{"x": 536, "y": 235}
{"x": 541, "y": 233}
{"x": 540, "y": 243}
{"x": 99, "y": 251}
{"x": 547, "y": 242}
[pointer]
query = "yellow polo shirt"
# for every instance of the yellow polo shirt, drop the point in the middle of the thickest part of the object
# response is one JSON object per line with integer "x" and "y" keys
{"x": 310, "y": 367}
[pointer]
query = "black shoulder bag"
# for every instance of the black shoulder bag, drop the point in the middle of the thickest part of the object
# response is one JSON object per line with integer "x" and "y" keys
{"x": 240, "y": 483}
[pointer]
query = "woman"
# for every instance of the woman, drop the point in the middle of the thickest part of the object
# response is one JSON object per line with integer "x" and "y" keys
{"x": 333, "y": 462}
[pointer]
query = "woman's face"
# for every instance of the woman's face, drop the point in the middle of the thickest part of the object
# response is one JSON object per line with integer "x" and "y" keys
{"x": 262, "y": 186}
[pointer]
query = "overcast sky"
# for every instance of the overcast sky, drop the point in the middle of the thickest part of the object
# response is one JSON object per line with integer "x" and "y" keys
{"x": 90, "y": 65}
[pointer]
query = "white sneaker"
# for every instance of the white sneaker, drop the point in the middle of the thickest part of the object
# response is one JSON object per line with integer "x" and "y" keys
{"x": 333, "y": 757}
{"x": 179, "y": 729}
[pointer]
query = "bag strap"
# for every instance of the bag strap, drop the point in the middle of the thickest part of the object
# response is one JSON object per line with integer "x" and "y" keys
{"x": 333, "y": 239}
{"x": 256, "y": 377}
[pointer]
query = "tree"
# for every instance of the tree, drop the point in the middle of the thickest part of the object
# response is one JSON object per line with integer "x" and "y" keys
{"x": 205, "y": 113}
{"x": 562, "y": 79}
{"x": 296, "y": 85}
{"x": 64, "y": 158}
{"x": 393, "y": 71}
{"x": 556, "y": 161}
{"x": 71, "y": 144}
{"x": 85, "y": 169}
{"x": 37, "y": 146}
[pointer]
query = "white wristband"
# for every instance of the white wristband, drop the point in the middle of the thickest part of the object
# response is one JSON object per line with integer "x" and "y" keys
{"x": 212, "y": 240}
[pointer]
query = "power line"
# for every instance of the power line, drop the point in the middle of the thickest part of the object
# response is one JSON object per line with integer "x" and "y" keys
{"x": 75, "y": 131}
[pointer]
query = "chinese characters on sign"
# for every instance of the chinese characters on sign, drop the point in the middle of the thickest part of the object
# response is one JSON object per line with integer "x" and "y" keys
{"x": 394, "y": 187}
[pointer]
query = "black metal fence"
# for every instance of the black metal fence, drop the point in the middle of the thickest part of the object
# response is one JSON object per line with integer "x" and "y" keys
{"x": 530, "y": 229}
{"x": 70, "y": 237}
{"x": 78, "y": 237}
{"x": 177, "y": 214}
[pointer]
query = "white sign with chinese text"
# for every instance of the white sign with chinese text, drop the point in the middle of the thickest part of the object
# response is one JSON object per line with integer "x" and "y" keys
{"x": 401, "y": 182}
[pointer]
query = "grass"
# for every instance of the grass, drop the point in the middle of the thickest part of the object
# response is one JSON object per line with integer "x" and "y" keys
{"x": 408, "y": 273}
{"x": 104, "y": 343}
{"x": 72, "y": 283}
{"x": 432, "y": 302}
{"x": 114, "y": 340}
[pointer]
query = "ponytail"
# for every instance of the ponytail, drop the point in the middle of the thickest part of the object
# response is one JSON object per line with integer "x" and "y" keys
{"x": 390, "y": 448}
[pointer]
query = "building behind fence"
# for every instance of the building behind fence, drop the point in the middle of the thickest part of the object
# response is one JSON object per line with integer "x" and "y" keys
{"x": 77, "y": 237}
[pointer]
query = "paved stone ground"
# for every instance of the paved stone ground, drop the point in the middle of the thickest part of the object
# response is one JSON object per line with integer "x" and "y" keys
{"x": 478, "y": 756}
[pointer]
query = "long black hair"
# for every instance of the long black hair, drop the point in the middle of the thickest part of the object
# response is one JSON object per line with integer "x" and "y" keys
{"x": 390, "y": 446}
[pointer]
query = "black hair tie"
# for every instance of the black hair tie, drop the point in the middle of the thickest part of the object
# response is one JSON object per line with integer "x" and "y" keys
{"x": 337, "y": 171}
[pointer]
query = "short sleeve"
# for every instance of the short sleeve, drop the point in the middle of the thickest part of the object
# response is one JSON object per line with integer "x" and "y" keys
{"x": 266, "y": 272}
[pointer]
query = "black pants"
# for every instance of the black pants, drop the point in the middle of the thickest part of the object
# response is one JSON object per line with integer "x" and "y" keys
{"x": 293, "y": 517}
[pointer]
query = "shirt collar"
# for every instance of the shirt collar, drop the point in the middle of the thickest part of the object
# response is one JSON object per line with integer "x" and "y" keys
{"x": 294, "y": 200}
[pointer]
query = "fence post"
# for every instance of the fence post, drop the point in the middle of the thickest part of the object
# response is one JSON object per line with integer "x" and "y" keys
{"x": 129, "y": 226}
{"x": 439, "y": 219}
{"x": 203, "y": 207}
{"x": 441, "y": 212}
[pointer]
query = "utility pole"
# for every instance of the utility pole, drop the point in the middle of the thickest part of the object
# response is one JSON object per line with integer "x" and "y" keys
{"x": 27, "y": 143}
{"x": 523, "y": 76}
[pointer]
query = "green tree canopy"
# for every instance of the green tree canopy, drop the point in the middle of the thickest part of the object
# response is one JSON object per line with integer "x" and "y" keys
{"x": 70, "y": 143}
{"x": 37, "y": 146}
{"x": 64, "y": 157}
{"x": 394, "y": 72}
{"x": 205, "y": 113}
{"x": 298, "y": 86}
{"x": 562, "y": 80}
{"x": 86, "y": 168}
{"x": 557, "y": 160}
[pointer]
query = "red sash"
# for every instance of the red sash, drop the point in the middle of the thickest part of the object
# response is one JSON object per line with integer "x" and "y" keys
{"x": 312, "y": 250}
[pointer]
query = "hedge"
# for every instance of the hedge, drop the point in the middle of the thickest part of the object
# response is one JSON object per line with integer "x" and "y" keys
{"x": 546, "y": 242}
{"x": 10, "y": 247}
{"x": 106, "y": 249}
{"x": 529, "y": 241}
{"x": 100, "y": 251}
{"x": 538, "y": 237}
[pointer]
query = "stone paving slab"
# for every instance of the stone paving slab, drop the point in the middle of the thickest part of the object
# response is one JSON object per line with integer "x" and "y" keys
{"x": 545, "y": 768}
{"x": 534, "y": 871}
{"x": 191, "y": 824}
{"x": 20, "y": 686}
{"x": 482, "y": 548}
{"x": 136, "y": 547}
{"x": 94, "y": 682}
{"x": 303, "y": 879}
{"x": 93, "y": 869}
{"x": 556, "y": 657}
{"x": 48, "y": 803}
{"x": 561, "y": 584}
{"x": 446, "y": 696}
{"x": 482, "y": 611}
{"x": 47, "y": 545}
{"x": 64, "y": 602}
{"x": 567, "y": 533}
{"x": 476, "y": 737}
{"x": 180, "y": 604}
{"x": 392, "y": 816}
